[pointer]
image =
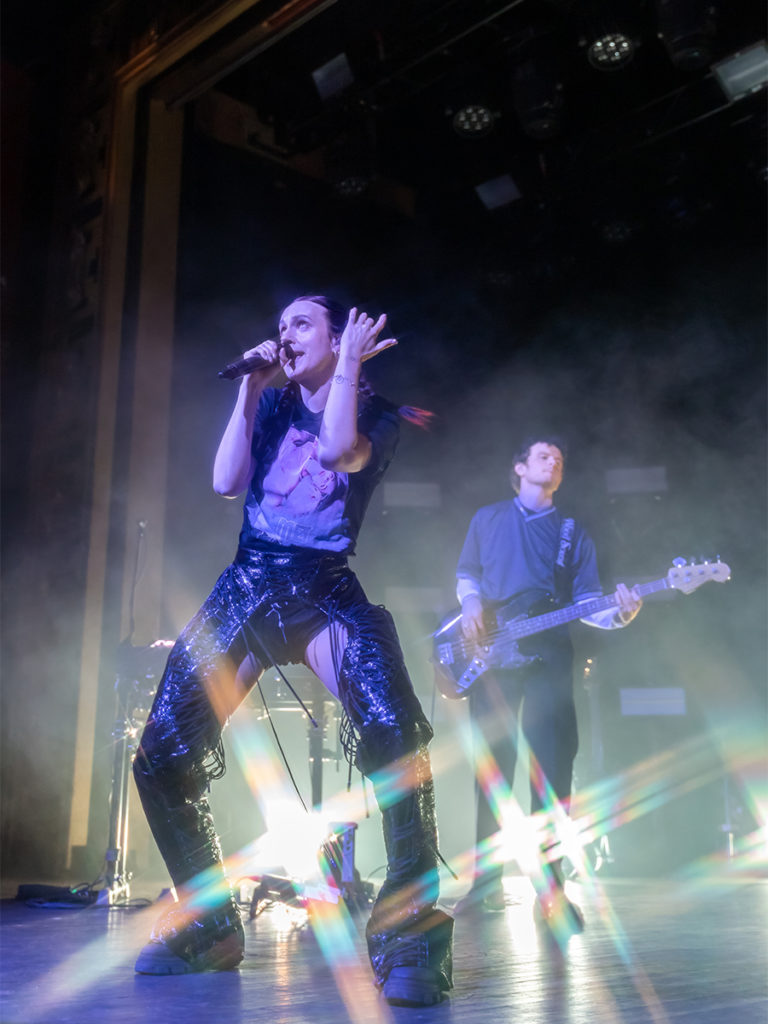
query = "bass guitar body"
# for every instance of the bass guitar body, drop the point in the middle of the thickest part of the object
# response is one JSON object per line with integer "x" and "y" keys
{"x": 459, "y": 662}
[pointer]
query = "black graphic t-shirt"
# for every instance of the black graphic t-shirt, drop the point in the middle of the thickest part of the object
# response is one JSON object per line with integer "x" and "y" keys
{"x": 292, "y": 501}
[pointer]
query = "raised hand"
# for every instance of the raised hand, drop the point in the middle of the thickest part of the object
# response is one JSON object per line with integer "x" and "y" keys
{"x": 359, "y": 341}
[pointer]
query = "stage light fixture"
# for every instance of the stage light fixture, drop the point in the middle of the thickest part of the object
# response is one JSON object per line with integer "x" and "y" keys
{"x": 352, "y": 185}
{"x": 333, "y": 77}
{"x": 498, "y": 192}
{"x": 611, "y": 52}
{"x": 687, "y": 29}
{"x": 473, "y": 121}
{"x": 743, "y": 72}
{"x": 617, "y": 231}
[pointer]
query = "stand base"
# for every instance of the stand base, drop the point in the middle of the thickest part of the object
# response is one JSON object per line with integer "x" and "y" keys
{"x": 117, "y": 892}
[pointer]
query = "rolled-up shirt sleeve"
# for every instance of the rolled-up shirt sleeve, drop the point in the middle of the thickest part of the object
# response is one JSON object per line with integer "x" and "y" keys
{"x": 381, "y": 425}
{"x": 586, "y": 587}
{"x": 608, "y": 618}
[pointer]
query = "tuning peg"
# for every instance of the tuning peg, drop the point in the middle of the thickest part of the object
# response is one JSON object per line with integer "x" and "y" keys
{"x": 679, "y": 562}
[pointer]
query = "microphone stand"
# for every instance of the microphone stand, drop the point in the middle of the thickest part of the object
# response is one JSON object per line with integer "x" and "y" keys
{"x": 116, "y": 876}
{"x": 135, "y": 682}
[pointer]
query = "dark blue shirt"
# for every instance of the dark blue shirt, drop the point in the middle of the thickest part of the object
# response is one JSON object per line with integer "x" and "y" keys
{"x": 510, "y": 550}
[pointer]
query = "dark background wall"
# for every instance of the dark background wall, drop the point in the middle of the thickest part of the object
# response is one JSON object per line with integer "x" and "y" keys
{"x": 648, "y": 350}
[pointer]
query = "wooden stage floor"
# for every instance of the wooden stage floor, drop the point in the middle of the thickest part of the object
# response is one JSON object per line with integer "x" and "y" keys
{"x": 653, "y": 951}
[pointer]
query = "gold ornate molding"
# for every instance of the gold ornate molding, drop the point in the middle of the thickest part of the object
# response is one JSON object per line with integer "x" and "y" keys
{"x": 136, "y": 81}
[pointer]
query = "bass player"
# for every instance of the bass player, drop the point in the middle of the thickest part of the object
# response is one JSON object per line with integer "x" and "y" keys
{"x": 520, "y": 549}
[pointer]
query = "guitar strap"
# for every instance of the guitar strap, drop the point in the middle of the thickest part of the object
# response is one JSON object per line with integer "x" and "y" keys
{"x": 563, "y": 582}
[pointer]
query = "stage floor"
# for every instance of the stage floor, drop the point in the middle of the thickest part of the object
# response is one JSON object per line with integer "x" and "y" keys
{"x": 683, "y": 953}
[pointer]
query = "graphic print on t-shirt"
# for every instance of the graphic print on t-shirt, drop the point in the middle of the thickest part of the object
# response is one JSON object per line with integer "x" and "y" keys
{"x": 302, "y": 501}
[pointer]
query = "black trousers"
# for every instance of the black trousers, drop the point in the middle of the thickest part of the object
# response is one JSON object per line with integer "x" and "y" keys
{"x": 539, "y": 698}
{"x": 270, "y": 606}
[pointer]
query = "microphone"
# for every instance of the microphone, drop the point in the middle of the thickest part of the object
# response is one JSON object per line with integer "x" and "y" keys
{"x": 246, "y": 364}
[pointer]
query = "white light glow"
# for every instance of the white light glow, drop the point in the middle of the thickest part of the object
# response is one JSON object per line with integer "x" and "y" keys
{"x": 293, "y": 838}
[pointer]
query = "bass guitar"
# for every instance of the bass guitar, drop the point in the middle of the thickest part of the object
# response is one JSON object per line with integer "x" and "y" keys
{"x": 459, "y": 661}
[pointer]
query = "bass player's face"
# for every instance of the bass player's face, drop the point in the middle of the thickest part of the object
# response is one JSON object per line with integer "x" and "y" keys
{"x": 543, "y": 467}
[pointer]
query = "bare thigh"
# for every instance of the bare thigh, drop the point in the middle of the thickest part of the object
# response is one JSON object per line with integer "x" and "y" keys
{"x": 245, "y": 679}
{"x": 324, "y": 653}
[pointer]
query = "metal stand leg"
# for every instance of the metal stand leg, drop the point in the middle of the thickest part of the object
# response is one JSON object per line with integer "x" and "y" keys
{"x": 116, "y": 876}
{"x": 139, "y": 669}
{"x": 727, "y": 827}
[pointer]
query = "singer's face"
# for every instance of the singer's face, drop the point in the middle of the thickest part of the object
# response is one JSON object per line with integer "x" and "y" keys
{"x": 306, "y": 354}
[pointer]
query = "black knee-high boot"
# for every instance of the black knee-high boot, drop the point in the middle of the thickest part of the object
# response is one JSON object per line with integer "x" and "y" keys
{"x": 409, "y": 940}
{"x": 405, "y": 929}
{"x": 204, "y": 931}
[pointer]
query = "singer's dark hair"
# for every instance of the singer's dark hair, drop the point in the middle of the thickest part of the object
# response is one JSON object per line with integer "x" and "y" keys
{"x": 336, "y": 313}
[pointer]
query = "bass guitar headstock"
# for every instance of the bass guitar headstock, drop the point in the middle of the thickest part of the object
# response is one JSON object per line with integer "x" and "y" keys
{"x": 689, "y": 577}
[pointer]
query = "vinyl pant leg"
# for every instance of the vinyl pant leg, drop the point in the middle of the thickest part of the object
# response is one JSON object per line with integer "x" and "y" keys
{"x": 405, "y": 929}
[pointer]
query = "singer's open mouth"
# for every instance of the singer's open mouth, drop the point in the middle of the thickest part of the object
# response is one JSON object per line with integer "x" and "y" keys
{"x": 290, "y": 355}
